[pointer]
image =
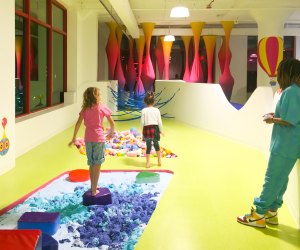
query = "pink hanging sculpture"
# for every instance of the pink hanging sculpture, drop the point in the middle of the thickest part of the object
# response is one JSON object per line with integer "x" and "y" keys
{"x": 130, "y": 70}
{"x": 159, "y": 55}
{"x": 140, "y": 44}
{"x": 186, "y": 41}
{"x": 119, "y": 75}
{"x": 167, "y": 46}
{"x": 112, "y": 51}
{"x": 226, "y": 79}
{"x": 210, "y": 42}
{"x": 196, "y": 74}
{"x": 148, "y": 74}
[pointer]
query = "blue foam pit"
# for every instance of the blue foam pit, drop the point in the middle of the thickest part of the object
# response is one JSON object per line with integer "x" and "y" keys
{"x": 46, "y": 222}
{"x": 48, "y": 242}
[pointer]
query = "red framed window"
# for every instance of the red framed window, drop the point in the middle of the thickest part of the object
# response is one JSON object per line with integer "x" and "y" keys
{"x": 40, "y": 54}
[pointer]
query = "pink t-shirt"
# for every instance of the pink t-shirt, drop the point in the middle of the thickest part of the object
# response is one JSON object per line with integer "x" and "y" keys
{"x": 93, "y": 118}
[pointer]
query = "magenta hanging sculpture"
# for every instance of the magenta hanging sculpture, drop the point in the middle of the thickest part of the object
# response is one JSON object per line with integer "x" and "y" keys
{"x": 140, "y": 44}
{"x": 119, "y": 75}
{"x": 112, "y": 51}
{"x": 196, "y": 74}
{"x": 226, "y": 79}
{"x": 148, "y": 74}
{"x": 186, "y": 41}
{"x": 130, "y": 70}
{"x": 159, "y": 55}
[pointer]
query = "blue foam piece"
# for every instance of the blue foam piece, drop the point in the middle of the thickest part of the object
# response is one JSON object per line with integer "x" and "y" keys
{"x": 102, "y": 198}
{"x": 48, "y": 242}
{"x": 46, "y": 222}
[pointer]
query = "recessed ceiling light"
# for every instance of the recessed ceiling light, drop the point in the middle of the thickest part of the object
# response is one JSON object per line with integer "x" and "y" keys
{"x": 179, "y": 12}
{"x": 169, "y": 38}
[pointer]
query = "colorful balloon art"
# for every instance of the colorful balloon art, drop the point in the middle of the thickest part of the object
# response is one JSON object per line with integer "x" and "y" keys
{"x": 270, "y": 54}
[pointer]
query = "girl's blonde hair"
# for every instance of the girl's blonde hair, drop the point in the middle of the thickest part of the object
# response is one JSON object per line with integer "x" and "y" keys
{"x": 91, "y": 96}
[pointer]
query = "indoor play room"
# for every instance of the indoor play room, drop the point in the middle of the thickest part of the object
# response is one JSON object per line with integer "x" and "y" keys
{"x": 212, "y": 66}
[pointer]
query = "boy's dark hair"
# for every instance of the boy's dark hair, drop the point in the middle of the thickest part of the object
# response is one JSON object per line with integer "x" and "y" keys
{"x": 288, "y": 72}
{"x": 149, "y": 98}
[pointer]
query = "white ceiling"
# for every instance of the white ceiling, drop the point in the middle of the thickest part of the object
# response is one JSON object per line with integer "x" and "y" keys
{"x": 134, "y": 12}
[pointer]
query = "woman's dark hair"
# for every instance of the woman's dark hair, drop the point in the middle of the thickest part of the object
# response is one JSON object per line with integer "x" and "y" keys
{"x": 149, "y": 98}
{"x": 288, "y": 72}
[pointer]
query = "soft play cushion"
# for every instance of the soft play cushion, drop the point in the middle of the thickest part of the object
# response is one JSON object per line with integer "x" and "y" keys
{"x": 102, "y": 198}
{"x": 79, "y": 175}
{"x": 147, "y": 177}
{"x": 47, "y": 222}
{"x": 13, "y": 239}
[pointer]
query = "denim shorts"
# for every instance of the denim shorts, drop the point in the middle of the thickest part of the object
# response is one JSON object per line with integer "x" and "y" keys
{"x": 95, "y": 153}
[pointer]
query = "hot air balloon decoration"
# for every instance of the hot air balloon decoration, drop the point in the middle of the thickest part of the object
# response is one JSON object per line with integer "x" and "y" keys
{"x": 270, "y": 54}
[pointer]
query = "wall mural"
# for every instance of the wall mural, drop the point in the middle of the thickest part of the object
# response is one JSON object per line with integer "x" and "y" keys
{"x": 4, "y": 143}
{"x": 270, "y": 54}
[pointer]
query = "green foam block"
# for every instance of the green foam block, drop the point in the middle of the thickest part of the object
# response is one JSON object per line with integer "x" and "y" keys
{"x": 147, "y": 177}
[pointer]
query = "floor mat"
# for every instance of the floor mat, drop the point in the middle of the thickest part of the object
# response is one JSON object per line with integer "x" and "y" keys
{"x": 115, "y": 226}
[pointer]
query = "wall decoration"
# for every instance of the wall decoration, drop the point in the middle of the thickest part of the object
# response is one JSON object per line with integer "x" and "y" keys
{"x": 4, "y": 143}
{"x": 186, "y": 41}
{"x": 111, "y": 51}
{"x": 148, "y": 74}
{"x": 159, "y": 55}
{"x": 226, "y": 79}
{"x": 167, "y": 46}
{"x": 130, "y": 70}
{"x": 196, "y": 74}
{"x": 119, "y": 75}
{"x": 210, "y": 42}
{"x": 140, "y": 44}
{"x": 270, "y": 54}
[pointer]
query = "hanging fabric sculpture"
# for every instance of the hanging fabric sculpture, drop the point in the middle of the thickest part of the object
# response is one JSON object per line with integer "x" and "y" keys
{"x": 140, "y": 44}
{"x": 226, "y": 79}
{"x": 148, "y": 74}
{"x": 270, "y": 54}
{"x": 186, "y": 41}
{"x": 112, "y": 52}
{"x": 196, "y": 74}
{"x": 130, "y": 70}
{"x": 119, "y": 75}
{"x": 210, "y": 42}
{"x": 167, "y": 46}
{"x": 159, "y": 55}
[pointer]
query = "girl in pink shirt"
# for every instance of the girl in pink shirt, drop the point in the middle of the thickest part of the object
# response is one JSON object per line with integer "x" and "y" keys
{"x": 92, "y": 113}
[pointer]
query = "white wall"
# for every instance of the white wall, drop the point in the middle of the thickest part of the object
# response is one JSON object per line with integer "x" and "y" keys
{"x": 7, "y": 81}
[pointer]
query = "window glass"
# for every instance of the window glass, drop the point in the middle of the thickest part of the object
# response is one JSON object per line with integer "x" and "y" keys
{"x": 57, "y": 68}
{"x": 38, "y": 9}
{"x": 20, "y": 69}
{"x": 19, "y": 5}
{"x": 38, "y": 67}
{"x": 57, "y": 17}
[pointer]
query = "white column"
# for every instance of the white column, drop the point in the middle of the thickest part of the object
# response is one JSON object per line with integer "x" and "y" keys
{"x": 270, "y": 22}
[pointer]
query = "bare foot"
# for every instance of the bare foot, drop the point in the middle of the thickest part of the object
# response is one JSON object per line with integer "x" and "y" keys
{"x": 147, "y": 166}
{"x": 96, "y": 192}
{"x": 159, "y": 164}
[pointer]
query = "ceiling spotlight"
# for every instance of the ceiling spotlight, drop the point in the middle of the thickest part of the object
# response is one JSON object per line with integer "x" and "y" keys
{"x": 179, "y": 12}
{"x": 169, "y": 38}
